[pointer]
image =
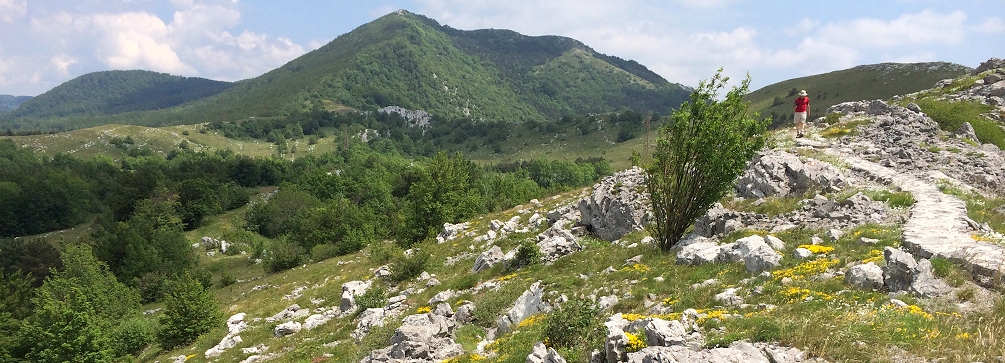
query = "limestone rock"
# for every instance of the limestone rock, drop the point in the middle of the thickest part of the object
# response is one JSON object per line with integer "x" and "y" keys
{"x": 451, "y": 231}
{"x": 802, "y": 253}
{"x": 903, "y": 273}
{"x": 698, "y": 253}
{"x": 315, "y": 321}
{"x": 617, "y": 205}
{"x": 729, "y": 297}
{"x": 665, "y": 333}
{"x": 867, "y": 276}
{"x": 287, "y": 328}
{"x": 464, "y": 313}
{"x": 543, "y": 354}
{"x": 925, "y": 284}
{"x": 966, "y": 131}
{"x": 529, "y": 303}
{"x": 993, "y": 63}
{"x": 487, "y": 259}
{"x": 350, "y": 290}
{"x": 783, "y": 174}
{"x": 370, "y": 318}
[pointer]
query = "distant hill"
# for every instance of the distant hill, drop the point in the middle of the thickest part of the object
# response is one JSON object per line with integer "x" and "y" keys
{"x": 868, "y": 82}
{"x": 8, "y": 102}
{"x": 115, "y": 92}
{"x": 401, "y": 59}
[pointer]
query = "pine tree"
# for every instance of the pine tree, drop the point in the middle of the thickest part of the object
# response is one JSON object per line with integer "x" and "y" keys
{"x": 190, "y": 310}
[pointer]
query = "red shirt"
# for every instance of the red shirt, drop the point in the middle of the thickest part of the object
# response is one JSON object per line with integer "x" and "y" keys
{"x": 802, "y": 103}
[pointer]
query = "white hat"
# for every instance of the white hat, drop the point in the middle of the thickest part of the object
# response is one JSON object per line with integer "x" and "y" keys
{"x": 802, "y": 93}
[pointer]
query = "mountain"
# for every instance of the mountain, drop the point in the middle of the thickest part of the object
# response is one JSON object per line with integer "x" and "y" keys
{"x": 8, "y": 102}
{"x": 868, "y": 82}
{"x": 115, "y": 92}
{"x": 400, "y": 59}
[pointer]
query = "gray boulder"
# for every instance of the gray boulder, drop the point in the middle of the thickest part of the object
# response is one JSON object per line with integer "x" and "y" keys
{"x": 757, "y": 255}
{"x": 866, "y": 276}
{"x": 903, "y": 273}
{"x": 370, "y": 318}
{"x": 529, "y": 303}
{"x": 993, "y": 63}
{"x": 616, "y": 345}
{"x": 665, "y": 333}
{"x": 543, "y": 354}
{"x": 287, "y": 328}
{"x": 698, "y": 253}
{"x": 617, "y": 206}
{"x": 802, "y": 253}
{"x": 783, "y": 174}
{"x": 966, "y": 131}
{"x": 487, "y": 259}
{"x": 729, "y": 297}
{"x": 464, "y": 313}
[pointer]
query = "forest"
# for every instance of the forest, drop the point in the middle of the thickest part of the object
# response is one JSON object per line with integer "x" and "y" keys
{"x": 86, "y": 294}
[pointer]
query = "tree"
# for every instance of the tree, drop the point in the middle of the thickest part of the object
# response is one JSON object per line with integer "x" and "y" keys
{"x": 77, "y": 310}
{"x": 698, "y": 156}
{"x": 443, "y": 193}
{"x": 190, "y": 310}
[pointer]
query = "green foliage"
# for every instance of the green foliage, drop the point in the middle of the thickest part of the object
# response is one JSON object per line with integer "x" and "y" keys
{"x": 442, "y": 193}
{"x": 38, "y": 195}
{"x": 282, "y": 255}
{"x": 407, "y": 267}
{"x": 227, "y": 279}
{"x": 133, "y": 335}
{"x": 698, "y": 157}
{"x": 375, "y": 297}
{"x": 278, "y": 215}
{"x": 76, "y": 309}
{"x": 190, "y": 310}
{"x": 338, "y": 223}
{"x": 34, "y": 257}
{"x": 528, "y": 253}
{"x": 952, "y": 115}
{"x": 576, "y": 324}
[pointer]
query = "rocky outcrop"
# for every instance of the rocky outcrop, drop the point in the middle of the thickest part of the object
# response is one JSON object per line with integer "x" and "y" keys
{"x": 778, "y": 173}
{"x": 487, "y": 259}
{"x": 904, "y": 273}
{"x": 617, "y": 205}
{"x": 425, "y": 337}
{"x": 757, "y": 255}
{"x": 529, "y": 303}
{"x": 350, "y": 290}
{"x": 451, "y": 231}
{"x": 416, "y": 118}
{"x": 235, "y": 325}
{"x": 287, "y": 328}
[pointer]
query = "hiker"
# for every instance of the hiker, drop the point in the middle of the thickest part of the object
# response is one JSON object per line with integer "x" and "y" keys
{"x": 802, "y": 111}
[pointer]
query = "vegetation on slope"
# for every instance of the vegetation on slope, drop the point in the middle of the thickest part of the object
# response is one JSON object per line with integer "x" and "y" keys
{"x": 8, "y": 102}
{"x": 869, "y": 82}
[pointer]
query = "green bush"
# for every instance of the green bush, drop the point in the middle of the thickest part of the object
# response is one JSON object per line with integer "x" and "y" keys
{"x": 699, "y": 155}
{"x": 381, "y": 252}
{"x": 323, "y": 252}
{"x": 375, "y": 297}
{"x": 902, "y": 199}
{"x": 190, "y": 310}
{"x": 227, "y": 279}
{"x": 952, "y": 115}
{"x": 407, "y": 267}
{"x": 528, "y": 253}
{"x": 133, "y": 335}
{"x": 283, "y": 256}
{"x": 577, "y": 323}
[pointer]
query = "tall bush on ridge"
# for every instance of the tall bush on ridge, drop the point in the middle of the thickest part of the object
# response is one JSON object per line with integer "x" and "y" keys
{"x": 699, "y": 155}
{"x": 190, "y": 310}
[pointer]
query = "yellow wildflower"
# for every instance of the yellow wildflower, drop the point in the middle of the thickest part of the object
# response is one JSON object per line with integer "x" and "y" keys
{"x": 963, "y": 335}
{"x": 534, "y": 319}
{"x": 423, "y": 309}
{"x": 507, "y": 277}
{"x": 818, "y": 248}
{"x": 635, "y": 342}
{"x": 638, "y": 267}
{"x": 875, "y": 256}
{"x": 632, "y": 317}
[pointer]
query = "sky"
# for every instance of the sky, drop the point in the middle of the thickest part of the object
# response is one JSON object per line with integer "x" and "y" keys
{"x": 44, "y": 43}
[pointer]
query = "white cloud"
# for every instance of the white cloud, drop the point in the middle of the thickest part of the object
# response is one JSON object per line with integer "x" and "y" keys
{"x": 62, "y": 63}
{"x": 11, "y": 10}
{"x": 992, "y": 25}
{"x": 926, "y": 27}
{"x": 137, "y": 40}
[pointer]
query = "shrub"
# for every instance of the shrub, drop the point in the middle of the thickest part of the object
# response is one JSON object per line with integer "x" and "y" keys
{"x": 227, "y": 279}
{"x": 323, "y": 252}
{"x": 133, "y": 335}
{"x": 407, "y": 267}
{"x": 527, "y": 254}
{"x": 375, "y": 297}
{"x": 381, "y": 252}
{"x": 189, "y": 311}
{"x": 901, "y": 199}
{"x": 575, "y": 324}
{"x": 699, "y": 155}
{"x": 283, "y": 256}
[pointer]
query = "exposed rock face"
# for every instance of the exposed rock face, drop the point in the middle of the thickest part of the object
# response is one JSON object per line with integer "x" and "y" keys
{"x": 529, "y": 303}
{"x": 867, "y": 276}
{"x": 417, "y": 118}
{"x": 903, "y": 273}
{"x": 421, "y": 338}
{"x": 487, "y": 259}
{"x": 754, "y": 251}
{"x": 719, "y": 221}
{"x": 783, "y": 174}
{"x": 617, "y": 206}
{"x": 966, "y": 131}
{"x": 736, "y": 352}
{"x": 451, "y": 231}
{"x": 235, "y": 325}
{"x": 993, "y": 63}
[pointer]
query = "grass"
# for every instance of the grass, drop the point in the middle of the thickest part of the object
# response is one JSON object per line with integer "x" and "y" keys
{"x": 952, "y": 115}
{"x": 900, "y": 199}
{"x": 846, "y": 128}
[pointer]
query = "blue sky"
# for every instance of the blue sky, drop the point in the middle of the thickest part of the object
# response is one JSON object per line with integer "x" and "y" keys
{"x": 47, "y": 42}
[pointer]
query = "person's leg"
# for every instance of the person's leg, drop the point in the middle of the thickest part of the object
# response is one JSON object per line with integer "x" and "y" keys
{"x": 800, "y": 119}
